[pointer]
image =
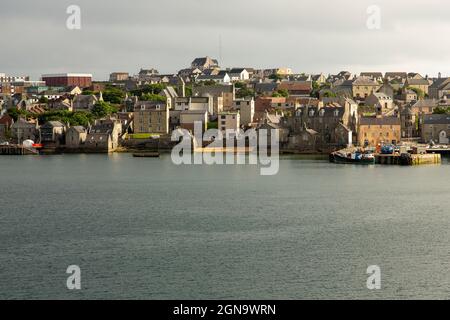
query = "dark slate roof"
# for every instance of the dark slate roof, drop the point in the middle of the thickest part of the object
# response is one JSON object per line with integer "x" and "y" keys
{"x": 52, "y": 124}
{"x": 211, "y": 77}
{"x": 202, "y": 61}
{"x": 372, "y": 74}
{"x": 364, "y": 81}
{"x": 215, "y": 89}
{"x": 237, "y": 70}
{"x": 440, "y": 82}
{"x": 396, "y": 75}
{"x": 266, "y": 87}
{"x": 436, "y": 119}
{"x": 418, "y": 82}
{"x": 424, "y": 103}
{"x": 374, "y": 121}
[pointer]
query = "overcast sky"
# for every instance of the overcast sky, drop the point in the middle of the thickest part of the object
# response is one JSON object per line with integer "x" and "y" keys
{"x": 305, "y": 35}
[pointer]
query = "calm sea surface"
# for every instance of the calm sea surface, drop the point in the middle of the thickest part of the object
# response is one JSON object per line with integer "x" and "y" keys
{"x": 145, "y": 228}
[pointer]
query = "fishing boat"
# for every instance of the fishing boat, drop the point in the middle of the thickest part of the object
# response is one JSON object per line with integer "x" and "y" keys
{"x": 352, "y": 156}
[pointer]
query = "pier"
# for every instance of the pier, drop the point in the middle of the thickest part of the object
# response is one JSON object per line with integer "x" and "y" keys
{"x": 407, "y": 159}
{"x": 16, "y": 150}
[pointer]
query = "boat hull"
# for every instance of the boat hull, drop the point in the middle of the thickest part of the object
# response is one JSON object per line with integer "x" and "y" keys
{"x": 336, "y": 158}
{"x": 146, "y": 154}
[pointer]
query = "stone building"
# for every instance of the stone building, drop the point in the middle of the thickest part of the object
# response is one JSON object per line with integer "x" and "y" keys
{"x": 408, "y": 123}
{"x": 84, "y": 102}
{"x": 98, "y": 142}
{"x": 76, "y": 137}
{"x": 109, "y": 126}
{"x": 204, "y": 63}
{"x": 119, "y": 76}
{"x": 328, "y": 127}
{"x": 23, "y": 130}
{"x": 223, "y": 93}
{"x": 420, "y": 84}
{"x": 436, "y": 127}
{"x": 189, "y": 117}
{"x": 440, "y": 88}
{"x": 246, "y": 108}
{"x": 229, "y": 121}
{"x": 53, "y": 132}
{"x": 362, "y": 87}
{"x": 382, "y": 102}
{"x": 379, "y": 130}
{"x": 151, "y": 117}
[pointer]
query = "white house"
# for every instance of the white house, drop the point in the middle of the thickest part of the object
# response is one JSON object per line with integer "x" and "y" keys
{"x": 239, "y": 74}
{"x": 219, "y": 78}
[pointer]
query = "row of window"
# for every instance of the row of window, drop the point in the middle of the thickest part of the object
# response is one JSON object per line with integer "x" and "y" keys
{"x": 387, "y": 134}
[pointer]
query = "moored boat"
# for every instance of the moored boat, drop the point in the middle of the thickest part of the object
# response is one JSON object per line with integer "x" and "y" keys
{"x": 352, "y": 157}
{"x": 146, "y": 154}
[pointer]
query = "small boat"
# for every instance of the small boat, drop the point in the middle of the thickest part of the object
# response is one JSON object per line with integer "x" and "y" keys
{"x": 352, "y": 157}
{"x": 146, "y": 154}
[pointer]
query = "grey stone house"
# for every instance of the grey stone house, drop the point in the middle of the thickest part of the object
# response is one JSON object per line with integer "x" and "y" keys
{"x": 23, "y": 130}
{"x": 76, "y": 137}
{"x": 436, "y": 127}
{"x": 53, "y": 132}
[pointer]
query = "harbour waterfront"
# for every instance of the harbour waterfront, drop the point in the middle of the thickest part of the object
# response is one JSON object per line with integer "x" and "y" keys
{"x": 145, "y": 228}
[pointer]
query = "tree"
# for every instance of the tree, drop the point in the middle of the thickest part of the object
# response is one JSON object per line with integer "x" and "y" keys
{"x": 149, "y": 88}
{"x": 245, "y": 93}
{"x": 420, "y": 93}
{"x": 441, "y": 110}
{"x": 81, "y": 119}
{"x": 329, "y": 94}
{"x": 212, "y": 125}
{"x": 77, "y": 118}
{"x": 281, "y": 93}
{"x": 43, "y": 99}
{"x": 16, "y": 113}
{"x": 113, "y": 95}
{"x": 188, "y": 90}
{"x": 316, "y": 87}
{"x": 153, "y": 97}
{"x": 239, "y": 85}
{"x": 275, "y": 77}
{"x": 102, "y": 109}
{"x": 208, "y": 83}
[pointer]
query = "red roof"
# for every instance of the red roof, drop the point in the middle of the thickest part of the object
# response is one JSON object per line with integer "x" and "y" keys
{"x": 295, "y": 86}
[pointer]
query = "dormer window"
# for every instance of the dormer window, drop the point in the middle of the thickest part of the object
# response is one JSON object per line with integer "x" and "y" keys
{"x": 311, "y": 113}
{"x": 336, "y": 113}
{"x": 322, "y": 112}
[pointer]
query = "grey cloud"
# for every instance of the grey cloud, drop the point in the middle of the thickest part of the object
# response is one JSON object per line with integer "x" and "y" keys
{"x": 308, "y": 36}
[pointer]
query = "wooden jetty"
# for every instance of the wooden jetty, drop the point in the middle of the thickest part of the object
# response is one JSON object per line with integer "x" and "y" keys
{"x": 16, "y": 150}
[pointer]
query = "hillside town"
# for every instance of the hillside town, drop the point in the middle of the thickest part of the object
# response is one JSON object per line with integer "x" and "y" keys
{"x": 313, "y": 113}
